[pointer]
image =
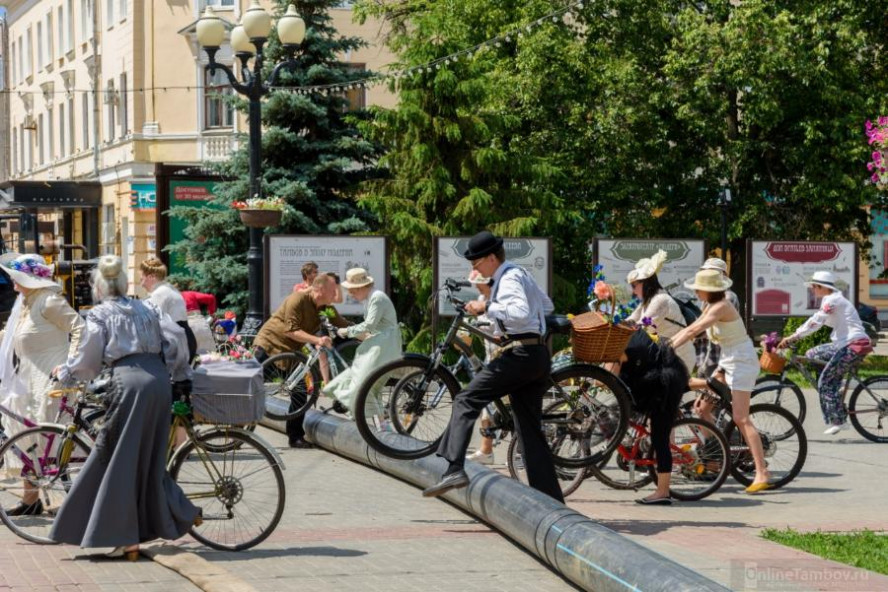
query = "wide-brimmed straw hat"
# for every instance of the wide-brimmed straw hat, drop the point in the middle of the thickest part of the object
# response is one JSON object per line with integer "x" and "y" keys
{"x": 356, "y": 277}
{"x": 823, "y": 278}
{"x": 716, "y": 264}
{"x": 647, "y": 267}
{"x": 28, "y": 271}
{"x": 709, "y": 280}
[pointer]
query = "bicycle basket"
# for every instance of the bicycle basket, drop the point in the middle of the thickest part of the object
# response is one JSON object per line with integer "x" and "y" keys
{"x": 772, "y": 362}
{"x": 596, "y": 340}
{"x": 229, "y": 393}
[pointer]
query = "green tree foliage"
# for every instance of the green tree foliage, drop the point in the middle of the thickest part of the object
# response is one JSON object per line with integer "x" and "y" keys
{"x": 625, "y": 118}
{"x": 312, "y": 156}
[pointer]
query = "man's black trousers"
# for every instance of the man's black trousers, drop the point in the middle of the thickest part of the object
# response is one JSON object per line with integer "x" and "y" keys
{"x": 522, "y": 373}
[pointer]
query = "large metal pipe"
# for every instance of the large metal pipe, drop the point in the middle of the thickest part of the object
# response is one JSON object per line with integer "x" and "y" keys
{"x": 583, "y": 551}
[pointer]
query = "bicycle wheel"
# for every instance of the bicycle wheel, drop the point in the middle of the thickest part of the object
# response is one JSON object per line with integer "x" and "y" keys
{"x": 44, "y": 460}
{"x": 784, "y": 443}
{"x": 868, "y": 409}
{"x": 622, "y": 472}
{"x": 240, "y": 489}
{"x": 599, "y": 414}
{"x": 700, "y": 459}
{"x": 561, "y": 446}
{"x": 289, "y": 381}
{"x": 403, "y": 407}
{"x": 786, "y": 394}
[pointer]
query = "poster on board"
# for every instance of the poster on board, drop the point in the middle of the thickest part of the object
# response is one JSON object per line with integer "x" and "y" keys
{"x": 684, "y": 258}
{"x": 534, "y": 254}
{"x": 778, "y": 271}
{"x": 286, "y": 254}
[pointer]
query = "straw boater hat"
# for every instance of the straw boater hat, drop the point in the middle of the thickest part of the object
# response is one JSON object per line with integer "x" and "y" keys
{"x": 709, "y": 280}
{"x": 716, "y": 264}
{"x": 28, "y": 271}
{"x": 823, "y": 278}
{"x": 645, "y": 268}
{"x": 356, "y": 278}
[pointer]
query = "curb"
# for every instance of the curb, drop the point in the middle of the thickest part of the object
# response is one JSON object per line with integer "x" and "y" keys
{"x": 572, "y": 544}
{"x": 205, "y": 575}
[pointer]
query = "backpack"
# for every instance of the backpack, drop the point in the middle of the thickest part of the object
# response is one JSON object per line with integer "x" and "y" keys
{"x": 690, "y": 312}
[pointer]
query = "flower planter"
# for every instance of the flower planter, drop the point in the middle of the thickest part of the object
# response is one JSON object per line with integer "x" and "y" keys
{"x": 260, "y": 218}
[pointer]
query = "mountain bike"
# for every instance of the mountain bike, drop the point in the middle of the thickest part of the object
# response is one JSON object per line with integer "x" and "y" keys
{"x": 867, "y": 405}
{"x": 403, "y": 407}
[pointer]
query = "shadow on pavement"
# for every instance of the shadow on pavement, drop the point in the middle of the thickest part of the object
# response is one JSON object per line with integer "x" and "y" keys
{"x": 288, "y": 552}
{"x": 651, "y": 527}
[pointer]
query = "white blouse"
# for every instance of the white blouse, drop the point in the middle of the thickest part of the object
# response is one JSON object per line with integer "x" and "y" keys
{"x": 838, "y": 313}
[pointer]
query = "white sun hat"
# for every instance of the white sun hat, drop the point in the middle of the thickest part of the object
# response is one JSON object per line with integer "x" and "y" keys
{"x": 647, "y": 267}
{"x": 716, "y": 264}
{"x": 823, "y": 278}
{"x": 709, "y": 280}
{"x": 356, "y": 277}
{"x": 29, "y": 271}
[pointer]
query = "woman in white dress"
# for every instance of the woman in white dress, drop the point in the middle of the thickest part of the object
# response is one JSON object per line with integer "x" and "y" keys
{"x": 738, "y": 365}
{"x": 35, "y": 341}
{"x": 380, "y": 335}
{"x": 658, "y": 305}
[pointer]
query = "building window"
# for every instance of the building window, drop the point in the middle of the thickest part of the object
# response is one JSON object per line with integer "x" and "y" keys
{"x": 217, "y": 113}
{"x": 49, "y": 43}
{"x": 30, "y": 152}
{"x": 62, "y": 129}
{"x": 109, "y": 234}
{"x": 40, "y": 133}
{"x": 216, "y": 3}
{"x": 124, "y": 9}
{"x": 86, "y": 20}
{"x": 109, "y": 13}
{"x": 15, "y": 159}
{"x": 13, "y": 67}
{"x": 356, "y": 98}
{"x": 60, "y": 18}
{"x": 85, "y": 121}
{"x": 124, "y": 106}
{"x": 71, "y": 124}
{"x": 110, "y": 108}
{"x": 69, "y": 40}
{"x": 50, "y": 135}
{"x": 29, "y": 47}
{"x": 40, "y": 46}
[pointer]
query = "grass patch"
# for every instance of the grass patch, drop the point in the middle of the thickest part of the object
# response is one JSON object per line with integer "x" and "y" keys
{"x": 865, "y": 549}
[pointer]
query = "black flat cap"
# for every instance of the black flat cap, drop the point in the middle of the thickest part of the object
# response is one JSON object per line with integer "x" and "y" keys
{"x": 482, "y": 244}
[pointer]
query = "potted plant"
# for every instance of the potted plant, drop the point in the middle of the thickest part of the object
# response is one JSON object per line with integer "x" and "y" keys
{"x": 260, "y": 212}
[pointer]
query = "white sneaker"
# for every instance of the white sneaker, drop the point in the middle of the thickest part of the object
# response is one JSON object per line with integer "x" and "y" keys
{"x": 481, "y": 458}
{"x": 835, "y": 429}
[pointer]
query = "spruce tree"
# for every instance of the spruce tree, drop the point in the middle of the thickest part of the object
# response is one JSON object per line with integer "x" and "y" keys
{"x": 312, "y": 156}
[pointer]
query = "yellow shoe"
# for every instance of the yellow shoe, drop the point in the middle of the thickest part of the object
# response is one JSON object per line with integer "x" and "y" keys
{"x": 758, "y": 487}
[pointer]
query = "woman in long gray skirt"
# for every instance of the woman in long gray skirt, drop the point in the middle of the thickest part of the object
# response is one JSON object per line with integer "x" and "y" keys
{"x": 124, "y": 495}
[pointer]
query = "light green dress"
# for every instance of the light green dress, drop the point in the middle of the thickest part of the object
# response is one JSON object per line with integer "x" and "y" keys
{"x": 382, "y": 345}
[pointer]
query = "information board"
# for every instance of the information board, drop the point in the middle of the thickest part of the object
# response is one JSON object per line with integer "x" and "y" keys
{"x": 778, "y": 271}
{"x": 286, "y": 254}
{"x": 533, "y": 254}
{"x": 619, "y": 256}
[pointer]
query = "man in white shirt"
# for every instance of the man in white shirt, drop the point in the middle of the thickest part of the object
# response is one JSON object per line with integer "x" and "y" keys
{"x": 166, "y": 297}
{"x": 518, "y": 308}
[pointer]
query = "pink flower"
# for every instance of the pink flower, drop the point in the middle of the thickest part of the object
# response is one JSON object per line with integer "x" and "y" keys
{"x": 602, "y": 291}
{"x": 877, "y": 157}
{"x": 883, "y": 120}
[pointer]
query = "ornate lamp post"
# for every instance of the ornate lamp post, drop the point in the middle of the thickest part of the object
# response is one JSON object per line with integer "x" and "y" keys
{"x": 247, "y": 40}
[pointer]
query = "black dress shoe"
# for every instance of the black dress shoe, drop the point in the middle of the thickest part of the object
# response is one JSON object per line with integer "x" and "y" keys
{"x": 23, "y": 509}
{"x": 340, "y": 408}
{"x": 302, "y": 444}
{"x": 448, "y": 482}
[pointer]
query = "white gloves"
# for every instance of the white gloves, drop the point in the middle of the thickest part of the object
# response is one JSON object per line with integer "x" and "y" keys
{"x": 343, "y": 333}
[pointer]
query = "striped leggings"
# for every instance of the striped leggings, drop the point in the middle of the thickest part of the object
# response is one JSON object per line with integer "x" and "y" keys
{"x": 840, "y": 361}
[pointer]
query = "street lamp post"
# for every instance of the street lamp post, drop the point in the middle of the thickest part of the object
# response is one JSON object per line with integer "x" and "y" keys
{"x": 724, "y": 201}
{"x": 247, "y": 40}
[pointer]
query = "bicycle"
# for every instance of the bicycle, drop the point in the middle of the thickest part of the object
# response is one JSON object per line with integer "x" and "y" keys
{"x": 293, "y": 380}
{"x": 700, "y": 459}
{"x": 867, "y": 406}
{"x": 784, "y": 442}
{"x": 403, "y": 407}
{"x": 234, "y": 476}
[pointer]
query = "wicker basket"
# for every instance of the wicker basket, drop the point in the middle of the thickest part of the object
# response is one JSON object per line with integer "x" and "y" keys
{"x": 595, "y": 340}
{"x": 772, "y": 362}
{"x": 230, "y": 393}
